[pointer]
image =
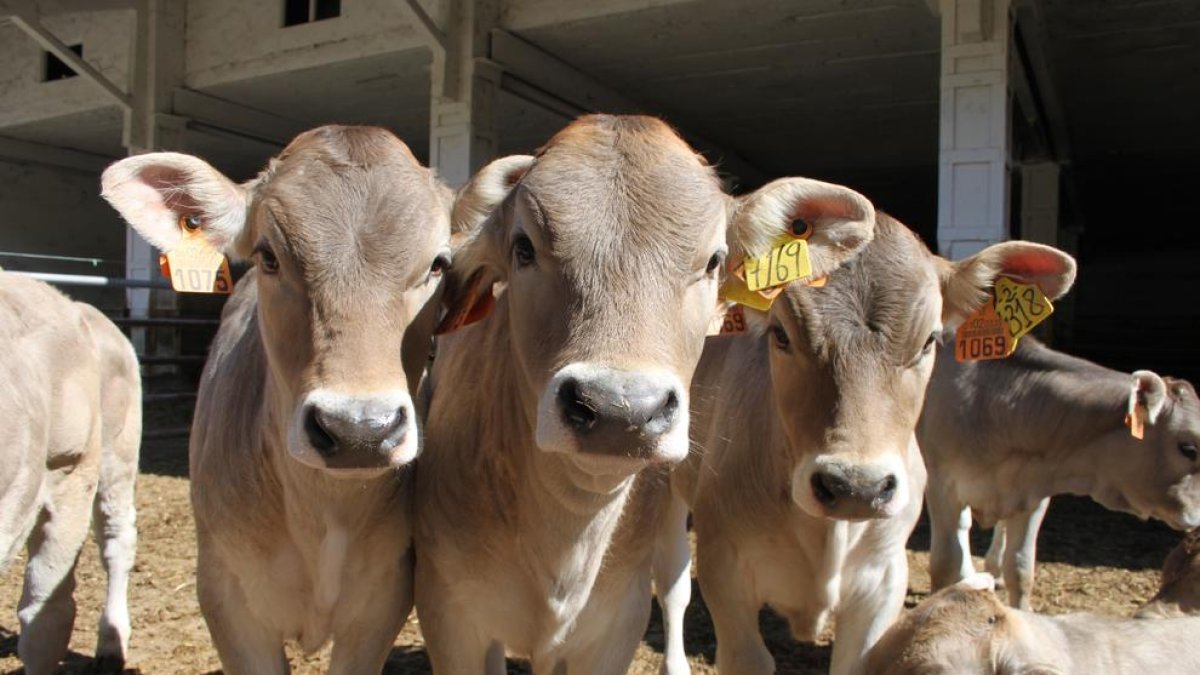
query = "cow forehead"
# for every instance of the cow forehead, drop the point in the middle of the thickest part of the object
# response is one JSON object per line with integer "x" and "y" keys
{"x": 879, "y": 306}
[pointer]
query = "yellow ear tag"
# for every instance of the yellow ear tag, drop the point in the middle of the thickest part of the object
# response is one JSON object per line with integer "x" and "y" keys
{"x": 734, "y": 290}
{"x": 194, "y": 266}
{"x": 732, "y": 322}
{"x": 993, "y": 330}
{"x": 786, "y": 261}
{"x": 1136, "y": 421}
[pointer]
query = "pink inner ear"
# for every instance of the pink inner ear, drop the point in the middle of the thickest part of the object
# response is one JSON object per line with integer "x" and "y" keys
{"x": 171, "y": 185}
{"x": 1032, "y": 264}
{"x": 815, "y": 209}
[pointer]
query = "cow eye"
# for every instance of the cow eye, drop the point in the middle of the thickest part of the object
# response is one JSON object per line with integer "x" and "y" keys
{"x": 714, "y": 263}
{"x": 929, "y": 343}
{"x": 523, "y": 251}
{"x": 1188, "y": 450}
{"x": 780, "y": 337}
{"x": 267, "y": 262}
{"x": 440, "y": 265}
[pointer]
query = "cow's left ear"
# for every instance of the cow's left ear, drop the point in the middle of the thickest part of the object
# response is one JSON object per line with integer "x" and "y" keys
{"x": 477, "y": 239}
{"x": 966, "y": 283}
{"x": 1148, "y": 390}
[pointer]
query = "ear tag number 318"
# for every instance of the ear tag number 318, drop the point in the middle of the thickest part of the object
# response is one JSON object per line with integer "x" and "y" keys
{"x": 993, "y": 330}
{"x": 194, "y": 266}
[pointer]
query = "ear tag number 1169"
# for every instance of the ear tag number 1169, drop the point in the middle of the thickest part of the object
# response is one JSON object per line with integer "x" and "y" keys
{"x": 993, "y": 330}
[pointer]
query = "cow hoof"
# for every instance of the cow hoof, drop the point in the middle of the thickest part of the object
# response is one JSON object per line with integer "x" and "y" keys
{"x": 108, "y": 663}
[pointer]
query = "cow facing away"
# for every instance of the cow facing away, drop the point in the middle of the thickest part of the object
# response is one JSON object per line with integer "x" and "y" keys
{"x": 807, "y": 479}
{"x": 966, "y": 630}
{"x": 304, "y": 416}
{"x": 552, "y": 421}
{"x": 69, "y": 385}
{"x": 1179, "y": 591}
{"x": 1001, "y": 437}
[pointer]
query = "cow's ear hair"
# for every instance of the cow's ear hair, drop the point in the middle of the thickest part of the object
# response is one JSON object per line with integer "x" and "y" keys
{"x": 477, "y": 239}
{"x": 966, "y": 283}
{"x": 980, "y": 581}
{"x": 1149, "y": 390}
{"x": 839, "y": 220}
{"x": 161, "y": 192}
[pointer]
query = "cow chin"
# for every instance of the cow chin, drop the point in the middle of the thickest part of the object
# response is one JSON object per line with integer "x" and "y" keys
{"x": 832, "y": 487}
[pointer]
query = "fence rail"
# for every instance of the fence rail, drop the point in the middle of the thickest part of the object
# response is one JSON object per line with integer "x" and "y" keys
{"x": 94, "y": 280}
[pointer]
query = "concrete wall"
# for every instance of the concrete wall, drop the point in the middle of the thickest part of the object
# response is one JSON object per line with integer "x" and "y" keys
{"x": 106, "y": 37}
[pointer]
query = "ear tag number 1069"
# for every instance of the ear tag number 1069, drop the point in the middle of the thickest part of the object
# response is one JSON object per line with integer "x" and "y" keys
{"x": 194, "y": 266}
{"x": 993, "y": 330}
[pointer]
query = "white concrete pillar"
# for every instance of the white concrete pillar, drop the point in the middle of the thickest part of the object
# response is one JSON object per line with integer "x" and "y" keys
{"x": 464, "y": 89}
{"x": 157, "y": 71}
{"x": 973, "y": 180}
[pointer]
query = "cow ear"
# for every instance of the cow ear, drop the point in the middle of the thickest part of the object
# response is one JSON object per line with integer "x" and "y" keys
{"x": 839, "y": 220}
{"x": 157, "y": 193}
{"x": 965, "y": 284}
{"x": 1149, "y": 390}
{"x": 980, "y": 581}
{"x": 477, "y": 237}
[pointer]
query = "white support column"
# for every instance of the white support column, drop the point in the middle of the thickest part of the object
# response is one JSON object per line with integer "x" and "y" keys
{"x": 464, "y": 89}
{"x": 157, "y": 71}
{"x": 973, "y": 180}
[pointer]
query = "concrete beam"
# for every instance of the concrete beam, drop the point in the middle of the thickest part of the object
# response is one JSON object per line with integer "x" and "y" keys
{"x": 48, "y": 7}
{"x": 540, "y": 78}
{"x": 49, "y": 155}
{"x": 29, "y": 23}
{"x": 435, "y": 35}
{"x": 210, "y": 111}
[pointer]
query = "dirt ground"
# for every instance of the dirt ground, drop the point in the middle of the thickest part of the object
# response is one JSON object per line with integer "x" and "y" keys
{"x": 1091, "y": 560}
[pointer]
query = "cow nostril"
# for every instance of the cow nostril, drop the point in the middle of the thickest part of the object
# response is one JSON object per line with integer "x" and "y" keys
{"x": 318, "y": 437}
{"x": 822, "y": 490}
{"x": 887, "y": 488}
{"x": 576, "y": 412}
{"x": 662, "y": 418}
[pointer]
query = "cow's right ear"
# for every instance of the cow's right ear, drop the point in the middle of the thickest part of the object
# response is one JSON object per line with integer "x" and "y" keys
{"x": 477, "y": 239}
{"x": 161, "y": 192}
{"x": 967, "y": 283}
{"x": 838, "y": 220}
{"x": 1148, "y": 390}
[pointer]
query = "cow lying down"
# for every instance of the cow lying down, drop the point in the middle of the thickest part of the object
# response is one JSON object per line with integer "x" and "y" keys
{"x": 966, "y": 630}
{"x": 1179, "y": 594}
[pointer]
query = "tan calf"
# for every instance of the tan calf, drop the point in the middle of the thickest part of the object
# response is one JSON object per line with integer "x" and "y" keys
{"x": 1179, "y": 592}
{"x": 552, "y": 421}
{"x": 966, "y": 630}
{"x": 304, "y": 420}
{"x": 808, "y": 478}
{"x": 1001, "y": 437}
{"x": 69, "y": 385}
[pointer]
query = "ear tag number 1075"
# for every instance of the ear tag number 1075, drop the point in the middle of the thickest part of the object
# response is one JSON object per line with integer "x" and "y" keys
{"x": 194, "y": 266}
{"x": 993, "y": 330}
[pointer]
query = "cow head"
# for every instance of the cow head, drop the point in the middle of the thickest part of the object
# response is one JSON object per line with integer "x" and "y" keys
{"x": 1159, "y": 475}
{"x": 964, "y": 630}
{"x": 349, "y": 237}
{"x": 605, "y": 251}
{"x": 850, "y": 360}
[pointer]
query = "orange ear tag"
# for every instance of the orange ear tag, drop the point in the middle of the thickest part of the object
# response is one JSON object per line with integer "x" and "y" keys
{"x": 993, "y": 330}
{"x": 1136, "y": 421}
{"x": 732, "y": 322}
{"x": 194, "y": 266}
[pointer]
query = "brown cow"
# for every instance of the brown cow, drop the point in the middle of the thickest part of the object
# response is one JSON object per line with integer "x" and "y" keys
{"x": 808, "y": 480}
{"x": 304, "y": 418}
{"x": 1179, "y": 592}
{"x": 69, "y": 385}
{"x": 1001, "y": 437}
{"x": 553, "y": 421}
{"x": 966, "y": 630}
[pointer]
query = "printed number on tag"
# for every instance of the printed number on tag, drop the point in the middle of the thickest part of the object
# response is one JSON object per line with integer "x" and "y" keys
{"x": 1022, "y": 306}
{"x": 194, "y": 266}
{"x": 731, "y": 322}
{"x": 993, "y": 330}
{"x": 786, "y": 261}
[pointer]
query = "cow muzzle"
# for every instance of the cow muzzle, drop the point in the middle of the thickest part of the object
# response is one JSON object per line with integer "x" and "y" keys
{"x": 835, "y": 488}
{"x": 614, "y": 417}
{"x": 354, "y": 436}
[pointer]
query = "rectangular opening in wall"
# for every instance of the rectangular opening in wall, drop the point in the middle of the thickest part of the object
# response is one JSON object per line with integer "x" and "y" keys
{"x": 55, "y": 69}
{"x": 296, "y": 12}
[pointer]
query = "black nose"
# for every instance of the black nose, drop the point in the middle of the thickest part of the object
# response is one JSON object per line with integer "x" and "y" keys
{"x": 611, "y": 407}
{"x": 352, "y": 435}
{"x": 833, "y": 490}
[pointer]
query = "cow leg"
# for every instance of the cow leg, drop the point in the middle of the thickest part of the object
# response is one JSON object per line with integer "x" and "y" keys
{"x": 362, "y": 644}
{"x": 454, "y": 640}
{"x": 673, "y": 583}
{"x": 994, "y": 561}
{"x": 244, "y": 645}
{"x": 611, "y": 653}
{"x": 114, "y": 523}
{"x": 740, "y": 648}
{"x": 47, "y": 608}
{"x": 950, "y": 545}
{"x": 866, "y": 612}
{"x": 1021, "y": 554}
